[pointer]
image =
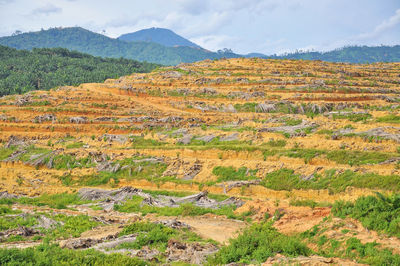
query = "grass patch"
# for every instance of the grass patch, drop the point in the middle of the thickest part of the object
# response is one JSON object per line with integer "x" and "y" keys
{"x": 395, "y": 119}
{"x": 32, "y": 151}
{"x": 11, "y": 222}
{"x": 280, "y": 143}
{"x": 292, "y": 121}
{"x": 142, "y": 142}
{"x": 57, "y": 201}
{"x": 231, "y": 174}
{"x": 135, "y": 205}
{"x": 75, "y": 145}
{"x": 66, "y": 162}
{"x": 357, "y": 157}
{"x": 352, "y": 117}
{"x": 6, "y": 152}
{"x": 286, "y": 179}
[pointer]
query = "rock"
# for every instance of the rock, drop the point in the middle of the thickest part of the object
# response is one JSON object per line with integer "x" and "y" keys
{"x": 207, "y": 138}
{"x": 43, "y": 118}
{"x": 180, "y": 131}
{"x": 112, "y": 244}
{"x": 147, "y": 254}
{"x": 78, "y": 243}
{"x": 242, "y": 80}
{"x": 186, "y": 139}
{"x": 313, "y": 260}
{"x": 112, "y": 137}
{"x": 239, "y": 94}
{"x": 388, "y": 132}
{"x": 170, "y": 119}
{"x": 20, "y": 231}
{"x": 193, "y": 171}
{"x": 115, "y": 195}
{"x": 233, "y": 184}
{"x": 265, "y": 108}
{"x": 184, "y": 91}
{"x": 171, "y": 75}
{"x": 228, "y": 109}
{"x": 202, "y": 81}
{"x": 46, "y": 223}
{"x": 292, "y": 130}
{"x": 15, "y": 141}
{"x": 104, "y": 119}
{"x": 231, "y": 137}
{"x": 208, "y": 91}
{"x": 78, "y": 120}
{"x": 193, "y": 253}
{"x": 173, "y": 224}
{"x": 6, "y": 195}
{"x": 23, "y": 100}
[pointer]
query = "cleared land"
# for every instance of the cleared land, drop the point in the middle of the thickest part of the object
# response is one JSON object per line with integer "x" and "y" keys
{"x": 275, "y": 143}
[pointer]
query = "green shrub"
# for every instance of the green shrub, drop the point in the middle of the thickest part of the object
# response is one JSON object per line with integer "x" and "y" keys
{"x": 256, "y": 244}
{"x": 369, "y": 254}
{"x": 148, "y": 234}
{"x": 73, "y": 226}
{"x": 378, "y": 212}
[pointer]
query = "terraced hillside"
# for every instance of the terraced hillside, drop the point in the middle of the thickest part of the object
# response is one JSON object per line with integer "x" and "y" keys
{"x": 286, "y": 157}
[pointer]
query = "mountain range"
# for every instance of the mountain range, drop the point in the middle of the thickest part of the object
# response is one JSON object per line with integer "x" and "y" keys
{"x": 163, "y": 46}
{"x": 161, "y": 36}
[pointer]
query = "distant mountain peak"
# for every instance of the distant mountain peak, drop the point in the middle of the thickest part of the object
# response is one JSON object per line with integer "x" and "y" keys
{"x": 161, "y": 36}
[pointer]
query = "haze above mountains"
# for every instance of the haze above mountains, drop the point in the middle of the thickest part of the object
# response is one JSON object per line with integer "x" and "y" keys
{"x": 163, "y": 46}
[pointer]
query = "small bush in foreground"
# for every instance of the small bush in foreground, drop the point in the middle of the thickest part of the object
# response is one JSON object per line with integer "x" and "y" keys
{"x": 378, "y": 212}
{"x": 257, "y": 243}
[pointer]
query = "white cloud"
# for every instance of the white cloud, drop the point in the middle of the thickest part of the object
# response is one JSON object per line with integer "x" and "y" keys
{"x": 214, "y": 42}
{"x": 46, "y": 10}
{"x": 382, "y": 27}
{"x": 266, "y": 26}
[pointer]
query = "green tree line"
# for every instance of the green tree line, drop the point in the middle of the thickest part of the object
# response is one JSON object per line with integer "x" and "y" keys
{"x": 45, "y": 68}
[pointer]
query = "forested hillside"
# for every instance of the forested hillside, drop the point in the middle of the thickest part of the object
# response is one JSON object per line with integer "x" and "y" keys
{"x": 85, "y": 41}
{"x": 352, "y": 54}
{"x": 45, "y": 68}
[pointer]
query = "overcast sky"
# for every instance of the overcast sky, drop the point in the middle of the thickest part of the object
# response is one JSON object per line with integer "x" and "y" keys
{"x": 266, "y": 26}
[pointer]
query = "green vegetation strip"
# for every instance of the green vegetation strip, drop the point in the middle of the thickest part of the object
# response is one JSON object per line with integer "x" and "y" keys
{"x": 188, "y": 209}
{"x": 54, "y": 255}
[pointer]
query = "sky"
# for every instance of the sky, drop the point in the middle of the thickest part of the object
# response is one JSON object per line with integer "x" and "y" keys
{"x": 264, "y": 26}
